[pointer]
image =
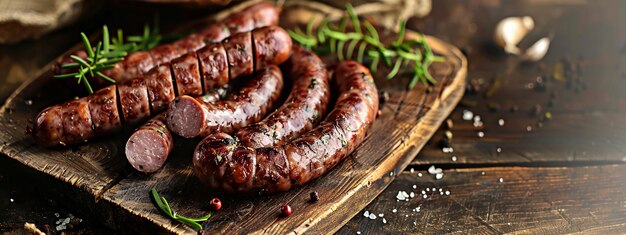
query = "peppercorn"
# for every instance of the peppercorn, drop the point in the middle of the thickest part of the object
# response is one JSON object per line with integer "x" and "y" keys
{"x": 216, "y": 204}
{"x": 286, "y": 210}
{"x": 314, "y": 196}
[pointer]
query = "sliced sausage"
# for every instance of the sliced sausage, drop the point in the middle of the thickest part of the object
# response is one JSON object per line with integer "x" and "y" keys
{"x": 239, "y": 53}
{"x": 271, "y": 46}
{"x": 134, "y": 101}
{"x": 305, "y": 106}
{"x": 103, "y": 109}
{"x": 223, "y": 163}
{"x": 148, "y": 147}
{"x": 190, "y": 117}
{"x": 214, "y": 66}
{"x": 77, "y": 125}
{"x": 160, "y": 88}
{"x": 187, "y": 75}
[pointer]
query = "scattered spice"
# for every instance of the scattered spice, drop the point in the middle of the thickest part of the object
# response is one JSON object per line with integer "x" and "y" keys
{"x": 449, "y": 124}
{"x": 514, "y": 108}
{"x": 548, "y": 115}
{"x": 285, "y": 210}
{"x": 493, "y": 87}
{"x": 216, "y": 204}
{"x": 314, "y": 196}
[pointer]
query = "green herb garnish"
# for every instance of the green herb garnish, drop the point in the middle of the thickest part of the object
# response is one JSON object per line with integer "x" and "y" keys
{"x": 108, "y": 52}
{"x": 165, "y": 208}
{"x": 332, "y": 38}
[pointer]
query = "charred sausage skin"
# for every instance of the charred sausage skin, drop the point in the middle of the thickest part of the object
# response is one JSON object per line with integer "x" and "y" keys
{"x": 190, "y": 117}
{"x": 221, "y": 162}
{"x": 304, "y": 107}
{"x": 135, "y": 64}
{"x": 139, "y": 98}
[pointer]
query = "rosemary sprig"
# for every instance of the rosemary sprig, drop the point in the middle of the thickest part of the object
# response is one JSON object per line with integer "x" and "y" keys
{"x": 401, "y": 52}
{"x": 108, "y": 52}
{"x": 165, "y": 208}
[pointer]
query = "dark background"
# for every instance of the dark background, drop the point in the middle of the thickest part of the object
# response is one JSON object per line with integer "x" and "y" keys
{"x": 566, "y": 174}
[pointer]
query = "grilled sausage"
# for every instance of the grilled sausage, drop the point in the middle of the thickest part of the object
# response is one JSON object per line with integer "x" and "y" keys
{"x": 135, "y": 64}
{"x": 139, "y": 98}
{"x": 190, "y": 117}
{"x": 304, "y": 107}
{"x": 221, "y": 162}
{"x": 148, "y": 147}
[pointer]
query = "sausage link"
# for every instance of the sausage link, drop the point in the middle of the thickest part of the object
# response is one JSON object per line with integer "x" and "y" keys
{"x": 134, "y": 101}
{"x": 190, "y": 117}
{"x": 135, "y": 64}
{"x": 160, "y": 88}
{"x": 187, "y": 75}
{"x": 304, "y": 107}
{"x": 48, "y": 129}
{"x": 222, "y": 162}
{"x": 103, "y": 109}
{"x": 77, "y": 125}
{"x": 148, "y": 147}
{"x": 141, "y": 97}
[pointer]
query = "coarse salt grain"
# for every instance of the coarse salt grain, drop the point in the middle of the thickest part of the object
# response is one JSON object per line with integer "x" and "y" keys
{"x": 439, "y": 176}
{"x": 384, "y": 221}
{"x": 454, "y": 158}
{"x": 419, "y": 174}
{"x": 529, "y": 128}
{"x": 381, "y": 215}
{"x": 440, "y": 193}
{"x": 425, "y": 196}
{"x": 414, "y": 186}
{"x": 447, "y": 192}
{"x": 482, "y": 173}
{"x": 412, "y": 195}
{"x": 366, "y": 214}
{"x": 434, "y": 189}
{"x": 499, "y": 150}
{"x": 481, "y": 134}
{"x": 412, "y": 170}
{"x": 447, "y": 149}
{"x": 423, "y": 192}
{"x": 501, "y": 122}
{"x": 501, "y": 180}
{"x": 467, "y": 115}
{"x": 427, "y": 189}
{"x": 372, "y": 216}
{"x": 358, "y": 232}
{"x": 433, "y": 170}
{"x": 11, "y": 200}
{"x": 394, "y": 210}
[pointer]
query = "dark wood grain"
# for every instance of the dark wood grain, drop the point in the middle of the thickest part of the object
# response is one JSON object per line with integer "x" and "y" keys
{"x": 546, "y": 200}
{"x": 588, "y": 110}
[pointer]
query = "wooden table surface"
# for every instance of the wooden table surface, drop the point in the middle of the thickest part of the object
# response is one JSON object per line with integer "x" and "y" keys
{"x": 533, "y": 174}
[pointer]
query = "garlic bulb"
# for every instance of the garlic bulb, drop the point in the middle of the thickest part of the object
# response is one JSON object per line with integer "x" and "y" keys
{"x": 538, "y": 50}
{"x": 510, "y": 31}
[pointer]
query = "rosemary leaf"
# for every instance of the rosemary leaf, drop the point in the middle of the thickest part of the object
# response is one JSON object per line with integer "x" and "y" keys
{"x": 359, "y": 56}
{"x": 354, "y": 18}
{"x": 395, "y": 69}
{"x": 351, "y": 47}
{"x": 87, "y": 44}
{"x": 340, "y": 44}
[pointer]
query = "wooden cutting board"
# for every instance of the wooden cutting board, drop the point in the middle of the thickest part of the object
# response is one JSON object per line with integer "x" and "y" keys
{"x": 96, "y": 177}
